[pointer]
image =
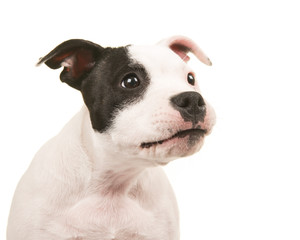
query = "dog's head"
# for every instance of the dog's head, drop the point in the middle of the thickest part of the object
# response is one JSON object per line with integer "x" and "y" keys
{"x": 143, "y": 101}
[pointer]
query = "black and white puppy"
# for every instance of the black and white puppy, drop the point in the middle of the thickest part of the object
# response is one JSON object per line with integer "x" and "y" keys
{"x": 100, "y": 178}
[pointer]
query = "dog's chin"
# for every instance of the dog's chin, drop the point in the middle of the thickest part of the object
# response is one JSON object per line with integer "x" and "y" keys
{"x": 182, "y": 144}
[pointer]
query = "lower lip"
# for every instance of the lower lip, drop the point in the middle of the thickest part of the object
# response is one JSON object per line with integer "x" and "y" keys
{"x": 193, "y": 135}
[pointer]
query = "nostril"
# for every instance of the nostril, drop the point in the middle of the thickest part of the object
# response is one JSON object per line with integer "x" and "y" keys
{"x": 183, "y": 102}
{"x": 201, "y": 102}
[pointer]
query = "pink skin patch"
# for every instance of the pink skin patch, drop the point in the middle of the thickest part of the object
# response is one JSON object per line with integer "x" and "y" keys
{"x": 183, "y": 45}
{"x": 182, "y": 54}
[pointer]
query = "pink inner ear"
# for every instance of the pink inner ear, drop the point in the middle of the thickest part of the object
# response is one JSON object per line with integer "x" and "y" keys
{"x": 84, "y": 62}
{"x": 78, "y": 63}
{"x": 180, "y": 52}
{"x": 182, "y": 46}
{"x": 68, "y": 62}
{"x": 61, "y": 57}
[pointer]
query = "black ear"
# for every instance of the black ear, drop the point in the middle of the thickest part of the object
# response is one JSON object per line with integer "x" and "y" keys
{"x": 77, "y": 56}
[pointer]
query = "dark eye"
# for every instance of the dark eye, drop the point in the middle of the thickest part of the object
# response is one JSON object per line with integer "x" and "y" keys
{"x": 130, "y": 81}
{"x": 191, "y": 79}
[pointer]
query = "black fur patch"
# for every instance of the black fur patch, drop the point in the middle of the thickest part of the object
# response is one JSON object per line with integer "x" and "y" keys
{"x": 102, "y": 91}
{"x": 98, "y": 73}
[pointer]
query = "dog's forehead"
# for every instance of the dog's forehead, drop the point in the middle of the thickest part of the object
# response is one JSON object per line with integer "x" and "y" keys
{"x": 157, "y": 59}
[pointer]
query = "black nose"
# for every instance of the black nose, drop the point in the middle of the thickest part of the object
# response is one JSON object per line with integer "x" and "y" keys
{"x": 191, "y": 106}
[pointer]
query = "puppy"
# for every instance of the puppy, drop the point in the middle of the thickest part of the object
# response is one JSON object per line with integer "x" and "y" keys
{"x": 100, "y": 178}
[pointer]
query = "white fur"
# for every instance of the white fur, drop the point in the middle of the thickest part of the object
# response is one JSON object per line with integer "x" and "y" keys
{"x": 92, "y": 186}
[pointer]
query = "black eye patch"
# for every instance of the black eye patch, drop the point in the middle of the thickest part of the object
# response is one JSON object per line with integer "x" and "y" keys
{"x": 103, "y": 90}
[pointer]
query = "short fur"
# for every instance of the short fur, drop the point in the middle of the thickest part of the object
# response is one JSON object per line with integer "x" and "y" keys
{"x": 101, "y": 176}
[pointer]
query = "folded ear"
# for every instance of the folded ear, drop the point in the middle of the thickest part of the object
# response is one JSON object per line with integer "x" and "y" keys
{"x": 78, "y": 58}
{"x": 182, "y": 46}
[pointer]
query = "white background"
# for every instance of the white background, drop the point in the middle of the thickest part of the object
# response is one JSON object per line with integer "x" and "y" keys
{"x": 245, "y": 182}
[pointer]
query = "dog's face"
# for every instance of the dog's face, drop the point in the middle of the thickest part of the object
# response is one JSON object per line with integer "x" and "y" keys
{"x": 144, "y": 101}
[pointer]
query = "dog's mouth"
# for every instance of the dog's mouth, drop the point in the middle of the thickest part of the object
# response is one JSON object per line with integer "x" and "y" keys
{"x": 194, "y": 133}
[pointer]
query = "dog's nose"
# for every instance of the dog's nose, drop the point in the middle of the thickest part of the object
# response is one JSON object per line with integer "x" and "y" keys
{"x": 190, "y": 105}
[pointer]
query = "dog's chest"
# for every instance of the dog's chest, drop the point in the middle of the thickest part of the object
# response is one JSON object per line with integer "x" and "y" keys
{"x": 116, "y": 219}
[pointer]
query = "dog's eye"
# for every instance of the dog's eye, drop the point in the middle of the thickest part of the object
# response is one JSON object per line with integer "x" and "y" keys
{"x": 130, "y": 81}
{"x": 191, "y": 79}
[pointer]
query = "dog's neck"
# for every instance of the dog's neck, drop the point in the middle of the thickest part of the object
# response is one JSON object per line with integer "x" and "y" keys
{"x": 112, "y": 172}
